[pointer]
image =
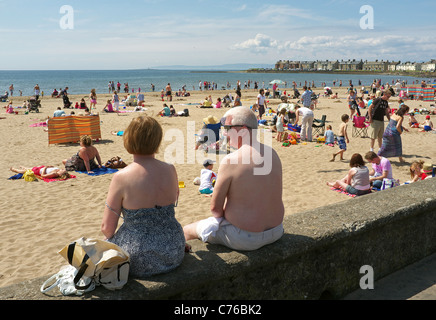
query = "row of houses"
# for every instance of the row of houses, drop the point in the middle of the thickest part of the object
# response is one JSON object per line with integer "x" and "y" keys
{"x": 355, "y": 65}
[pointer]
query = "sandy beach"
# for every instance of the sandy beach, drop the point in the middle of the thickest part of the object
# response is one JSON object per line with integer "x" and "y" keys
{"x": 40, "y": 218}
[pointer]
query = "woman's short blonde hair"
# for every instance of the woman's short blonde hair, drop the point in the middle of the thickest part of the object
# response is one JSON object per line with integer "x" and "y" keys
{"x": 143, "y": 136}
{"x": 86, "y": 140}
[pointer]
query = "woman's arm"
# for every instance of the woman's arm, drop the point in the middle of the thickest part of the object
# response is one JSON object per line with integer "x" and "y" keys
{"x": 350, "y": 176}
{"x": 400, "y": 125}
{"x": 97, "y": 156}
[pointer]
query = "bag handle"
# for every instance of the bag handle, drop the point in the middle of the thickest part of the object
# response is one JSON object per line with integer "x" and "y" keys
{"x": 43, "y": 287}
{"x": 82, "y": 268}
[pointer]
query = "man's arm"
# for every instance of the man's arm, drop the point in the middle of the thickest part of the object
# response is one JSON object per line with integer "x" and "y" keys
{"x": 220, "y": 191}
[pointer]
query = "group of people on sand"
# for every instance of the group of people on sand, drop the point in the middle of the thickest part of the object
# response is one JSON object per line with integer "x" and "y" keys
{"x": 86, "y": 159}
{"x": 144, "y": 195}
{"x": 360, "y": 180}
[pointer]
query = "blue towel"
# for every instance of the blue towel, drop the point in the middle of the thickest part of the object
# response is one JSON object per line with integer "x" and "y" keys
{"x": 15, "y": 177}
{"x": 100, "y": 171}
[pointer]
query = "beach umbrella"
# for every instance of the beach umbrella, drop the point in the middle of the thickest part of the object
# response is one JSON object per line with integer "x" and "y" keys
{"x": 277, "y": 82}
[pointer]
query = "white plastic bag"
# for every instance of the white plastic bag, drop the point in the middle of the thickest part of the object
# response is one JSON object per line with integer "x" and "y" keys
{"x": 65, "y": 282}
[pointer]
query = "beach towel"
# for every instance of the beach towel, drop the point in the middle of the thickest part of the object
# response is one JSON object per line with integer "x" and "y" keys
{"x": 343, "y": 192}
{"x": 38, "y": 124}
{"x": 71, "y": 128}
{"x": 99, "y": 171}
{"x": 16, "y": 177}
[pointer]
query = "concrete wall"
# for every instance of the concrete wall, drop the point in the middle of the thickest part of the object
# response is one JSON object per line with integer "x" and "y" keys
{"x": 319, "y": 256}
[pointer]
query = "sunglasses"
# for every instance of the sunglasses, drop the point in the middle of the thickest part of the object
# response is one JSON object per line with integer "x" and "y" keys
{"x": 228, "y": 127}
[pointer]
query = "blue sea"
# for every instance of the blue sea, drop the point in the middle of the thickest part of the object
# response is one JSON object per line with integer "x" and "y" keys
{"x": 82, "y": 81}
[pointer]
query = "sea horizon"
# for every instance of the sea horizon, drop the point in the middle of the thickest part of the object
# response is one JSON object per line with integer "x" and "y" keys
{"x": 82, "y": 81}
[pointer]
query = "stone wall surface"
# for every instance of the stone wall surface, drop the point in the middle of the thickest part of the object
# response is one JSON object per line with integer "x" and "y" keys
{"x": 318, "y": 257}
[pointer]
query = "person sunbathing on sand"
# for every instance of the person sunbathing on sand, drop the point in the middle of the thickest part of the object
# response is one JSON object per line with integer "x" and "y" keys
{"x": 46, "y": 172}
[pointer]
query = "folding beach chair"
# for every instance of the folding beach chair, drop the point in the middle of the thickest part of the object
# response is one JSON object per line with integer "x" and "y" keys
{"x": 318, "y": 126}
{"x": 360, "y": 127}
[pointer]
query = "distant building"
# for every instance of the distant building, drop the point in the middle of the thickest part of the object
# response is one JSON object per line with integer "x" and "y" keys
{"x": 355, "y": 65}
{"x": 429, "y": 66}
{"x": 326, "y": 65}
{"x": 408, "y": 66}
{"x": 376, "y": 65}
{"x": 393, "y": 65}
{"x": 307, "y": 65}
{"x": 350, "y": 65}
{"x": 287, "y": 65}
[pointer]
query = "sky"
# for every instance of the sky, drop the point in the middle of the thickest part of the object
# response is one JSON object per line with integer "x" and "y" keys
{"x": 140, "y": 34}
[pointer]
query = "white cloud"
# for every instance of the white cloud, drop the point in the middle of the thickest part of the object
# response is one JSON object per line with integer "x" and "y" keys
{"x": 393, "y": 47}
{"x": 260, "y": 44}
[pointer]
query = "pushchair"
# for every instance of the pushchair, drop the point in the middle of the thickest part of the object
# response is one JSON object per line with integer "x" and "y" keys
{"x": 34, "y": 104}
{"x": 66, "y": 100}
{"x": 4, "y": 98}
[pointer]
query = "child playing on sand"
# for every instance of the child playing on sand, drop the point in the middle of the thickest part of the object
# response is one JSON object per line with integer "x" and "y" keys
{"x": 427, "y": 125}
{"x": 279, "y": 125}
{"x": 108, "y": 107}
{"x": 329, "y": 136}
{"x": 412, "y": 121}
{"x": 10, "y": 108}
{"x": 416, "y": 172}
{"x": 207, "y": 178}
{"x": 342, "y": 138}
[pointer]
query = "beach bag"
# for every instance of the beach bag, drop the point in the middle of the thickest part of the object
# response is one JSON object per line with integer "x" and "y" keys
{"x": 115, "y": 163}
{"x": 92, "y": 263}
{"x": 29, "y": 175}
{"x": 389, "y": 183}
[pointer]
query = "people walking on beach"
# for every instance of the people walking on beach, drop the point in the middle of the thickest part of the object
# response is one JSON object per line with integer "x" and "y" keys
{"x": 376, "y": 113}
{"x": 244, "y": 216}
{"x": 116, "y": 101}
{"x": 237, "y": 102}
{"x": 352, "y": 104}
{"x": 342, "y": 137}
{"x": 306, "y": 97}
{"x": 36, "y": 90}
{"x": 391, "y": 141}
{"x": 168, "y": 93}
{"x": 92, "y": 100}
{"x": 261, "y": 103}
